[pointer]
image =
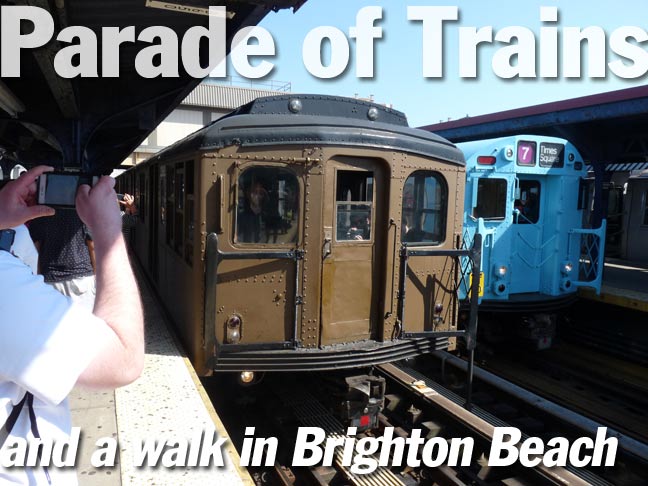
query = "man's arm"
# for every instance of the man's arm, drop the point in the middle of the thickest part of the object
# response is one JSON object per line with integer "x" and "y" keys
{"x": 121, "y": 356}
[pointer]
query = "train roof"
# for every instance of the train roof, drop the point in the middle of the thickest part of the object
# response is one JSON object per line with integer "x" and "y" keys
{"x": 316, "y": 119}
{"x": 486, "y": 146}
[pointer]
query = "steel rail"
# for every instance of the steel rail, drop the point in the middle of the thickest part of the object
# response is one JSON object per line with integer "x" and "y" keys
{"x": 480, "y": 427}
{"x": 627, "y": 444}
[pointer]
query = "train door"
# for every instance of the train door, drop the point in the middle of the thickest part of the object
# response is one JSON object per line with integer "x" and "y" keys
{"x": 637, "y": 227}
{"x": 260, "y": 290}
{"x": 354, "y": 195}
{"x": 153, "y": 216}
{"x": 527, "y": 240}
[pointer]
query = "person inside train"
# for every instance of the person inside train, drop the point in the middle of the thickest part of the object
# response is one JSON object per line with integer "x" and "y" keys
{"x": 359, "y": 228}
{"x": 128, "y": 211}
{"x": 48, "y": 343}
{"x": 250, "y": 220}
{"x": 526, "y": 207}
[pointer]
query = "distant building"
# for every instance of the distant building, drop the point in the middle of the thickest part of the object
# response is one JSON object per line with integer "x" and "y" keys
{"x": 208, "y": 102}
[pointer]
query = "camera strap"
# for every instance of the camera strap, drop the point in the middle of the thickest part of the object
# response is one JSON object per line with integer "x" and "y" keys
{"x": 8, "y": 426}
{"x": 7, "y": 237}
{"x": 6, "y": 241}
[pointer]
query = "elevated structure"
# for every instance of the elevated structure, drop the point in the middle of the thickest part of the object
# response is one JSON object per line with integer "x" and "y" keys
{"x": 609, "y": 129}
{"x": 94, "y": 123}
{"x": 208, "y": 102}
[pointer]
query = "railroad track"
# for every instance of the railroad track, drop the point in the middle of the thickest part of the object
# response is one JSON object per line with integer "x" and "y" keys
{"x": 480, "y": 423}
{"x": 540, "y": 417}
{"x": 609, "y": 329}
{"x": 416, "y": 405}
{"x": 607, "y": 389}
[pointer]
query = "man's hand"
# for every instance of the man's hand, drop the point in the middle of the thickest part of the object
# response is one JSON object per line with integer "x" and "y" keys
{"x": 18, "y": 199}
{"x": 97, "y": 209}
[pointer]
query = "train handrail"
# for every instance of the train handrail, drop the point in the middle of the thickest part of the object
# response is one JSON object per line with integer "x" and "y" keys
{"x": 213, "y": 258}
{"x": 470, "y": 333}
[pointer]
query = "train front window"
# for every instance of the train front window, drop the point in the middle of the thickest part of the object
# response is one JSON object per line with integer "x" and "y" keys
{"x": 425, "y": 204}
{"x": 353, "y": 205}
{"x": 267, "y": 206}
{"x": 491, "y": 199}
{"x": 527, "y": 206}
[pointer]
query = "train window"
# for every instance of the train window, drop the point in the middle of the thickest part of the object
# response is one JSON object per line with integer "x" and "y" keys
{"x": 140, "y": 196}
{"x": 268, "y": 206}
{"x": 353, "y": 205}
{"x": 583, "y": 194}
{"x": 189, "y": 211}
{"x": 491, "y": 199}
{"x": 162, "y": 197}
{"x": 528, "y": 205}
{"x": 169, "y": 204}
{"x": 425, "y": 204}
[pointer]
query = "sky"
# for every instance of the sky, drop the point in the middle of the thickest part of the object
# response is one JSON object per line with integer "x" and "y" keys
{"x": 398, "y": 63}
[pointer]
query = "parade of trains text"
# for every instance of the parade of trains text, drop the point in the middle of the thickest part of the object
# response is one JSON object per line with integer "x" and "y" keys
{"x": 312, "y": 447}
{"x": 515, "y": 51}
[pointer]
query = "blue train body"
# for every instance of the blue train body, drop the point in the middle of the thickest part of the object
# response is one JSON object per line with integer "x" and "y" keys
{"x": 526, "y": 195}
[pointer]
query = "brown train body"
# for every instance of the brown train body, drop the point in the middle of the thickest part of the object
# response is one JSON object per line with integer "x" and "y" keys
{"x": 272, "y": 236}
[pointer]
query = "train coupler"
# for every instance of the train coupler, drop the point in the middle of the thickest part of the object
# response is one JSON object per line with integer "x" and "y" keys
{"x": 538, "y": 330}
{"x": 358, "y": 400}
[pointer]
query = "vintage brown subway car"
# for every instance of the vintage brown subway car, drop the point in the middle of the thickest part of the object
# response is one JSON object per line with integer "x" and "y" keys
{"x": 275, "y": 236}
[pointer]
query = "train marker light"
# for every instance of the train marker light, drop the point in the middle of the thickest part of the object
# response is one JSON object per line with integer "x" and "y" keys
{"x": 295, "y": 105}
{"x": 500, "y": 271}
{"x": 438, "y": 308}
{"x": 372, "y": 113}
{"x": 486, "y": 160}
{"x": 233, "y": 329}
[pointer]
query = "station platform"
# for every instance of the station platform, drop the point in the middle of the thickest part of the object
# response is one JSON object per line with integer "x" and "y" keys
{"x": 625, "y": 284}
{"x": 167, "y": 402}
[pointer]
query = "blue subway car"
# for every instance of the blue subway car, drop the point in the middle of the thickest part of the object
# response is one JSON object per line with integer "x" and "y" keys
{"x": 526, "y": 195}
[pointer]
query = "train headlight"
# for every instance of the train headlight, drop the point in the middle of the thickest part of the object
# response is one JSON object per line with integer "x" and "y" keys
{"x": 566, "y": 267}
{"x": 233, "y": 334}
{"x": 500, "y": 271}
{"x": 246, "y": 377}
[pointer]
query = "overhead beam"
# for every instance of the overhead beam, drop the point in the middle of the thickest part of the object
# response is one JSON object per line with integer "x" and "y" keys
{"x": 61, "y": 88}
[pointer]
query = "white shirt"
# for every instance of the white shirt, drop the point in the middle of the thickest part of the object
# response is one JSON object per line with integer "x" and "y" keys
{"x": 46, "y": 342}
{"x": 23, "y": 247}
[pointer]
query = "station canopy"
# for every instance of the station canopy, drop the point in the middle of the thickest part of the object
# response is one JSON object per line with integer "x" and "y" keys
{"x": 94, "y": 123}
{"x": 609, "y": 129}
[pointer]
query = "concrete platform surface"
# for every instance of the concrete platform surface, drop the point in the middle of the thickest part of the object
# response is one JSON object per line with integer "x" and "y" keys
{"x": 167, "y": 403}
{"x": 624, "y": 284}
